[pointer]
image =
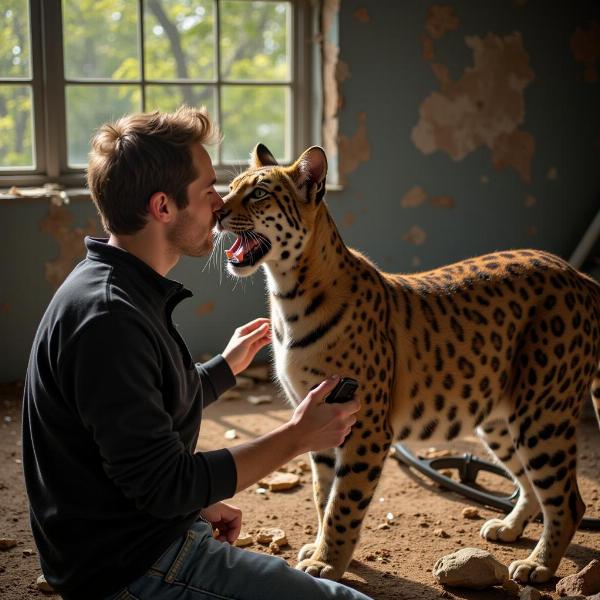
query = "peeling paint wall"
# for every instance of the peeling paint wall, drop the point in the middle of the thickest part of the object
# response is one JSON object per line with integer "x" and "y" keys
{"x": 58, "y": 224}
{"x": 467, "y": 127}
{"x": 457, "y": 128}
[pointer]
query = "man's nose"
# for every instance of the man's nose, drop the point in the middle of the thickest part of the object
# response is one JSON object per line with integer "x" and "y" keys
{"x": 220, "y": 213}
{"x": 217, "y": 203}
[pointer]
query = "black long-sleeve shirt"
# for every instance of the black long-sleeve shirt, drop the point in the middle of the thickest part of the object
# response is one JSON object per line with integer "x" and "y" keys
{"x": 111, "y": 414}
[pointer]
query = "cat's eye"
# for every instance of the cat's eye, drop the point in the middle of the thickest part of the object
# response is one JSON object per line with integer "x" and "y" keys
{"x": 259, "y": 193}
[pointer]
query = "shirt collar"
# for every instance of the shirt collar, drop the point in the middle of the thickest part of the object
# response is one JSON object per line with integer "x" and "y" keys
{"x": 98, "y": 249}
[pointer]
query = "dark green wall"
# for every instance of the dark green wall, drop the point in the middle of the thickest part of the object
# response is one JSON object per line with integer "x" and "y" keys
{"x": 387, "y": 81}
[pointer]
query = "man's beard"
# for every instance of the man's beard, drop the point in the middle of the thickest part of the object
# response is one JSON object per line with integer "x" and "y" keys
{"x": 184, "y": 238}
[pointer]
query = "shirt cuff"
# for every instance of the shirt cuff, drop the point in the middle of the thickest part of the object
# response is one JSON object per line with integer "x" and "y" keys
{"x": 220, "y": 375}
{"x": 222, "y": 474}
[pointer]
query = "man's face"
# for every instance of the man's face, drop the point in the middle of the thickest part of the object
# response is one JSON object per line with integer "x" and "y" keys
{"x": 191, "y": 233}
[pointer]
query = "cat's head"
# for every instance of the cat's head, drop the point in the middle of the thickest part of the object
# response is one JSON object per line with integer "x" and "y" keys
{"x": 271, "y": 209}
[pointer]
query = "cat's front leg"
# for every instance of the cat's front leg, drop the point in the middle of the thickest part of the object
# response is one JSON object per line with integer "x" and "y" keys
{"x": 323, "y": 474}
{"x": 356, "y": 476}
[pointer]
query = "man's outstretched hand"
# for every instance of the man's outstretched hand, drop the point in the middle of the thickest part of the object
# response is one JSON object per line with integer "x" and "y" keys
{"x": 246, "y": 341}
{"x": 226, "y": 518}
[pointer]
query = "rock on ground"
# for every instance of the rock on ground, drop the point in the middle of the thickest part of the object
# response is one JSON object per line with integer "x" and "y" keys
{"x": 584, "y": 583}
{"x": 244, "y": 539}
{"x": 272, "y": 534}
{"x": 43, "y": 585}
{"x": 277, "y": 481}
{"x": 529, "y": 593}
{"x": 470, "y": 567}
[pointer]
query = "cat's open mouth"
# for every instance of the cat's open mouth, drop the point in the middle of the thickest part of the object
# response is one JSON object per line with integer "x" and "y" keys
{"x": 248, "y": 248}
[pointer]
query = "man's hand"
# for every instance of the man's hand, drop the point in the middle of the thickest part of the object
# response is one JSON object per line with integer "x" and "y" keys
{"x": 226, "y": 518}
{"x": 320, "y": 425}
{"x": 315, "y": 425}
{"x": 246, "y": 341}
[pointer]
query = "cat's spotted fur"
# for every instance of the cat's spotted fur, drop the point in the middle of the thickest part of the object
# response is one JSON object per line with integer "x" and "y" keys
{"x": 507, "y": 344}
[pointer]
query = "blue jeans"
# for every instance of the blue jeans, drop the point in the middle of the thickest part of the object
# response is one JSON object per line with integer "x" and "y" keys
{"x": 198, "y": 567}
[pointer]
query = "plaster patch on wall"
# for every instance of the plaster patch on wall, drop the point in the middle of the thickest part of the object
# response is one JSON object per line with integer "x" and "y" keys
{"x": 440, "y": 19}
{"x": 585, "y": 47}
{"x": 530, "y": 201}
{"x": 362, "y": 15}
{"x": 415, "y": 235}
{"x": 414, "y": 197}
{"x": 443, "y": 201}
{"x": 58, "y": 224}
{"x": 332, "y": 99}
{"x": 514, "y": 150}
{"x": 205, "y": 309}
{"x": 484, "y": 107}
{"x": 342, "y": 71}
{"x": 552, "y": 173}
{"x": 442, "y": 74}
{"x": 355, "y": 149}
{"x": 427, "y": 48}
{"x": 349, "y": 219}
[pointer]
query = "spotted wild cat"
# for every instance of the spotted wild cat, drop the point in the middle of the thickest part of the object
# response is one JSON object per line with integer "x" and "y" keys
{"x": 507, "y": 344}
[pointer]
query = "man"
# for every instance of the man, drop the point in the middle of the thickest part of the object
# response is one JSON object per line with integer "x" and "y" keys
{"x": 121, "y": 504}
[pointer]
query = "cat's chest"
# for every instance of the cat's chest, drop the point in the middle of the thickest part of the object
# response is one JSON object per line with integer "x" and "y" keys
{"x": 298, "y": 371}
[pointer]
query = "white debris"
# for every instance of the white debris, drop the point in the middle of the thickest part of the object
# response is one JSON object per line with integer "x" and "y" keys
{"x": 231, "y": 434}
{"x": 271, "y": 534}
{"x": 261, "y": 399}
{"x": 43, "y": 585}
{"x": 244, "y": 539}
{"x": 280, "y": 481}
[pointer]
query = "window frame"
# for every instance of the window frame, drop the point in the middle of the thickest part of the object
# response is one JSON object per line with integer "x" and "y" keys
{"x": 48, "y": 83}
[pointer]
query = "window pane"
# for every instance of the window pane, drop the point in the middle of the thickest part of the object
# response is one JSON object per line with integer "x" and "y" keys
{"x": 16, "y": 118}
{"x": 88, "y": 107}
{"x": 179, "y": 39}
{"x": 101, "y": 39}
{"x": 255, "y": 40}
{"x": 14, "y": 39}
{"x": 168, "y": 98}
{"x": 252, "y": 115}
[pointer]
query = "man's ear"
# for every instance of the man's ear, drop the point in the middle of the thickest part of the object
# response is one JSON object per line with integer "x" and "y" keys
{"x": 261, "y": 157}
{"x": 309, "y": 173}
{"x": 160, "y": 207}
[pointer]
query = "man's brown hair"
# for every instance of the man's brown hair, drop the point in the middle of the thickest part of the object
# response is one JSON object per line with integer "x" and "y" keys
{"x": 139, "y": 155}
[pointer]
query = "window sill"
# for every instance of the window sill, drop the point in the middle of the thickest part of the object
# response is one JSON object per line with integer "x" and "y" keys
{"x": 60, "y": 196}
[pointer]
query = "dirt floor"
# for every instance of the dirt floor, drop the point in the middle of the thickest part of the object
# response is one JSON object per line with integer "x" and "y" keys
{"x": 393, "y": 561}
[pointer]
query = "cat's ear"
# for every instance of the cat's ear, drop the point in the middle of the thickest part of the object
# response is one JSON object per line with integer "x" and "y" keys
{"x": 261, "y": 157}
{"x": 309, "y": 173}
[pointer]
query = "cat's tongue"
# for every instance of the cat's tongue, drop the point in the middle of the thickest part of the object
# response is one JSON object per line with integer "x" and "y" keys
{"x": 240, "y": 248}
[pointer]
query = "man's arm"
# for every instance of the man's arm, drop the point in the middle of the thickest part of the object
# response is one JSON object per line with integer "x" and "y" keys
{"x": 216, "y": 377}
{"x": 314, "y": 426}
{"x": 112, "y": 378}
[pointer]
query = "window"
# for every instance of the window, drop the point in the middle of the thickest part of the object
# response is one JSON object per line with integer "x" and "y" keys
{"x": 247, "y": 61}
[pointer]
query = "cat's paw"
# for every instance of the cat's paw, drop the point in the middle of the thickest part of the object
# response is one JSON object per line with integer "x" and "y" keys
{"x": 498, "y": 530}
{"x": 319, "y": 569}
{"x": 529, "y": 571}
{"x": 306, "y": 551}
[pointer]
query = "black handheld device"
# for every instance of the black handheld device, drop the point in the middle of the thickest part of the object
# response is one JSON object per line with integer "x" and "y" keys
{"x": 343, "y": 391}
